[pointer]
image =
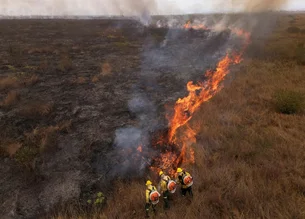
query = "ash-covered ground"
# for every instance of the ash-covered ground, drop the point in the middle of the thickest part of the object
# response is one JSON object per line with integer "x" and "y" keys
{"x": 85, "y": 92}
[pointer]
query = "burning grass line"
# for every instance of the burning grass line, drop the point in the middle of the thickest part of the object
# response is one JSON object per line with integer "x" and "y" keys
{"x": 185, "y": 107}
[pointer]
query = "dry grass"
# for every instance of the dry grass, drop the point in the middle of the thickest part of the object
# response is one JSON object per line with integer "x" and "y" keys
{"x": 112, "y": 33}
{"x": 95, "y": 78}
{"x": 36, "y": 108}
{"x": 106, "y": 69}
{"x": 33, "y": 79}
{"x": 11, "y": 82}
{"x": 65, "y": 63}
{"x": 40, "y": 140}
{"x": 11, "y": 149}
{"x": 250, "y": 159}
{"x": 80, "y": 80}
{"x": 10, "y": 99}
{"x": 8, "y": 82}
{"x": 45, "y": 50}
{"x": 289, "y": 102}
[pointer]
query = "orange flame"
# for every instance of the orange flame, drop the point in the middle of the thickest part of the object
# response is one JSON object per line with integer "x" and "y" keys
{"x": 187, "y": 106}
{"x": 188, "y": 25}
{"x": 140, "y": 149}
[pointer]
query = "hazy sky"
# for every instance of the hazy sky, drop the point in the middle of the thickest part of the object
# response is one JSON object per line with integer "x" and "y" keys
{"x": 296, "y": 5}
{"x": 212, "y": 5}
{"x": 107, "y": 7}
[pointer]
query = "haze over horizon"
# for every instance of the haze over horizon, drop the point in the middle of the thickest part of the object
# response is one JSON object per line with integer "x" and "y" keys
{"x": 130, "y": 7}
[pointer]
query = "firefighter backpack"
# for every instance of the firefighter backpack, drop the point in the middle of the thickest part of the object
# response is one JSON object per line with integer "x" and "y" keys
{"x": 171, "y": 186}
{"x": 187, "y": 180}
{"x": 154, "y": 196}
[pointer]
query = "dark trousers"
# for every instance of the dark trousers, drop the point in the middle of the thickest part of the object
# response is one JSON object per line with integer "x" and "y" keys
{"x": 185, "y": 190}
{"x": 147, "y": 207}
{"x": 165, "y": 198}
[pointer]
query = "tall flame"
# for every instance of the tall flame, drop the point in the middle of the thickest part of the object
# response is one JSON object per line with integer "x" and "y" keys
{"x": 180, "y": 150}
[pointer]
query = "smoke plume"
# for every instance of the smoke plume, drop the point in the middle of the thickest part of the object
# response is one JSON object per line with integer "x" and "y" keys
{"x": 77, "y": 7}
{"x": 258, "y": 5}
{"x": 129, "y": 7}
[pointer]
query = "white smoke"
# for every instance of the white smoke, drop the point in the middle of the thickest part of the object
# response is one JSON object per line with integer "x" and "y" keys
{"x": 130, "y": 7}
{"x": 81, "y": 7}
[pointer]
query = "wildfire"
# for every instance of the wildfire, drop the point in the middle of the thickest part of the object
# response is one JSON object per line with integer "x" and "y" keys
{"x": 188, "y": 25}
{"x": 178, "y": 146}
{"x": 185, "y": 107}
{"x": 140, "y": 149}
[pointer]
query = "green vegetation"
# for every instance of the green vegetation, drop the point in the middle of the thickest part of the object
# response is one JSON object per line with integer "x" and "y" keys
{"x": 98, "y": 199}
{"x": 289, "y": 102}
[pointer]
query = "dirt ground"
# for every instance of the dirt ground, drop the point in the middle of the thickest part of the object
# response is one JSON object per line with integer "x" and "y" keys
{"x": 68, "y": 86}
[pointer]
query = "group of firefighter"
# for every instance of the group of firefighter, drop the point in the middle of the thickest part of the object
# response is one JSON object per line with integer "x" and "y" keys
{"x": 167, "y": 186}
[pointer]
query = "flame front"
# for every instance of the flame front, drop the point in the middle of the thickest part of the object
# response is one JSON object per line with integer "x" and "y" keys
{"x": 179, "y": 150}
{"x": 188, "y": 25}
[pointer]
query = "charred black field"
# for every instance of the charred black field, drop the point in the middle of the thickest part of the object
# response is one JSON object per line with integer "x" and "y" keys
{"x": 78, "y": 97}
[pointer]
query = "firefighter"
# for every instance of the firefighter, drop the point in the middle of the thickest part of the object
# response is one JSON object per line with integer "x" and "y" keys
{"x": 186, "y": 181}
{"x": 167, "y": 186}
{"x": 152, "y": 197}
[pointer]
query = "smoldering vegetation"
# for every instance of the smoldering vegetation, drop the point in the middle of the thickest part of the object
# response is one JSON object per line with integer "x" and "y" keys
{"x": 81, "y": 104}
{"x": 85, "y": 100}
{"x": 193, "y": 52}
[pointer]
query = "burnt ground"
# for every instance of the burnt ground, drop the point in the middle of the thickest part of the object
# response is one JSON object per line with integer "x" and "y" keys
{"x": 76, "y": 83}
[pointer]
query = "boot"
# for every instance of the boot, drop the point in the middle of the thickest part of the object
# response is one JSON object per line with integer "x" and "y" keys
{"x": 146, "y": 214}
{"x": 191, "y": 192}
{"x": 146, "y": 210}
{"x": 166, "y": 203}
{"x": 154, "y": 210}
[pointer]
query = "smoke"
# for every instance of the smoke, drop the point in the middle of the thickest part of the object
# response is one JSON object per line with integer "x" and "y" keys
{"x": 131, "y": 7}
{"x": 180, "y": 57}
{"x": 126, "y": 159}
{"x": 258, "y": 5}
{"x": 131, "y": 150}
{"x": 77, "y": 7}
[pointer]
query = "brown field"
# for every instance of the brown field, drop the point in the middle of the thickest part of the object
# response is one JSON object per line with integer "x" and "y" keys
{"x": 65, "y": 87}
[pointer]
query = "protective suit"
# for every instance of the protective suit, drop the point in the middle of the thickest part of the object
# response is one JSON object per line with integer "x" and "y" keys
{"x": 186, "y": 181}
{"x": 152, "y": 197}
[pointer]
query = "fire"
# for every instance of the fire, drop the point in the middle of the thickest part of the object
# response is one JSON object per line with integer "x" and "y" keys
{"x": 140, "y": 148}
{"x": 175, "y": 148}
{"x": 188, "y": 25}
{"x": 183, "y": 112}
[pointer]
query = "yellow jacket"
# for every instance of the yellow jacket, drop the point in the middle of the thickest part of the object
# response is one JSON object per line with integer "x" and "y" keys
{"x": 179, "y": 178}
{"x": 148, "y": 190}
{"x": 163, "y": 183}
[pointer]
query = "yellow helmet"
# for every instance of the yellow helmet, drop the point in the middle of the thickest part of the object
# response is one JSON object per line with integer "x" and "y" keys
{"x": 148, "y": 182}
{"x": 179, "y": 170}
{"x": 160, "y": 173}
